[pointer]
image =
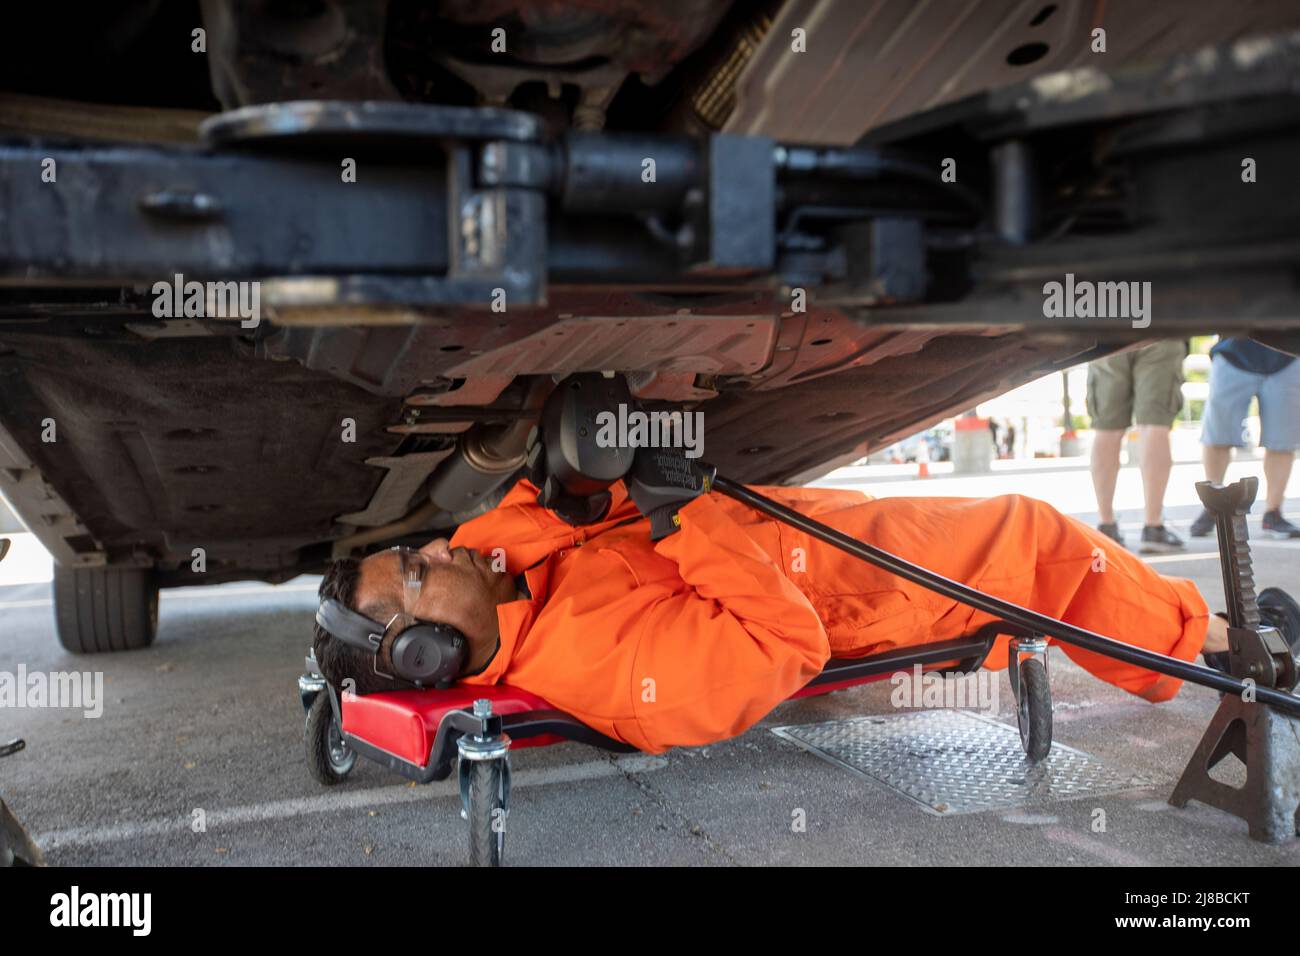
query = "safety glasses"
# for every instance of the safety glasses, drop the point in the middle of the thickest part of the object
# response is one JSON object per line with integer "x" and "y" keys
{"x": 414, "y": 566}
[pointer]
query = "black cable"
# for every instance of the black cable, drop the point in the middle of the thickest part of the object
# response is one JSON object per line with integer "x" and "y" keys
{"x": 1011, "y": 613}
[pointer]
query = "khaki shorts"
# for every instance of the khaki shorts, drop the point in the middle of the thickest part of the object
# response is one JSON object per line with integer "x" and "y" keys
{"x": 1143, "y": 384}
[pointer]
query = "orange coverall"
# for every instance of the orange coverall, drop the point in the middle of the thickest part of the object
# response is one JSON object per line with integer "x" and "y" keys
{"x": 694, "y": 638}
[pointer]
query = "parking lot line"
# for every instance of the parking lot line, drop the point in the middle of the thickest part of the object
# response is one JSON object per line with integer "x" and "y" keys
{"x": 188, "y": 594}
{"x": 344, "y": 800}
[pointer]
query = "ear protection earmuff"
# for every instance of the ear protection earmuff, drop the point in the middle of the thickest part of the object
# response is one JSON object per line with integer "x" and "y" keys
{"x": 426, "y": 654}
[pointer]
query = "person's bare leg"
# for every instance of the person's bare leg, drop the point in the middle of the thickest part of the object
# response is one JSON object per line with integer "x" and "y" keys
{"x": 1277, "y": 472}
{"x": 1216, "y": 459}
{"x": 1105, "y": 471}
{"x": 1156, "y": 461}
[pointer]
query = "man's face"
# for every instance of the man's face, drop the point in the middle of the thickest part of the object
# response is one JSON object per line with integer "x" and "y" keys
{"x": 456, "y": 586}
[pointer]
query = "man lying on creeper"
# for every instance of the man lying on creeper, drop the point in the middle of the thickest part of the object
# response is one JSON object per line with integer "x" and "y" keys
{"x": 725, "y": 612}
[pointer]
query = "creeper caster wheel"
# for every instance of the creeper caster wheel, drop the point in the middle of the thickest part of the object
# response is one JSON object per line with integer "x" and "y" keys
{"x": 1027, "y": 669}
{"x": 484, "y": 770}
{"x": 329, "y": 759}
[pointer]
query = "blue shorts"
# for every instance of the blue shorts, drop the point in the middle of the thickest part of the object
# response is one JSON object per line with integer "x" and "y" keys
{"x": 1231, "y": 390}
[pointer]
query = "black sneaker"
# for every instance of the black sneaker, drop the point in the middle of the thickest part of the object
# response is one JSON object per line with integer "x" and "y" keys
{"x": 1275, "y": 526}
{"x": 1112, "y": 531}
{"x": 1160, "y": 540}
{"x": 1278, "y": 609}
{"x": 1203, "y": 526}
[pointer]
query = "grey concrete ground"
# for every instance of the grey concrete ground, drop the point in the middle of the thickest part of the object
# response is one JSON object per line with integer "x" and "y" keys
{"x": 209, "y": 720}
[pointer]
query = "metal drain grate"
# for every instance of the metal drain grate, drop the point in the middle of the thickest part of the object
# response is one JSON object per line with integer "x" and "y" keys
{"x": 952, "y": 761}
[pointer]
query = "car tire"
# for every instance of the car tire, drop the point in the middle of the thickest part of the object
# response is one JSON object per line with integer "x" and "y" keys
{"x": 103, "y": 610}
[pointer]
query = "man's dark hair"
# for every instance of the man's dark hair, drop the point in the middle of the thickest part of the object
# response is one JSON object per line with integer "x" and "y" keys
{"x": 339, "y": 661}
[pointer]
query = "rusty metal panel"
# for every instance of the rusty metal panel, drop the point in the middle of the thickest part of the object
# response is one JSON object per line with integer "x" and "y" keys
{"x": 870, "y": 63}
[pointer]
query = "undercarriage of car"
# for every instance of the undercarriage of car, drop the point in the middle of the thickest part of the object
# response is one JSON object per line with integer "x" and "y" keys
{"x": 308, "y": 299}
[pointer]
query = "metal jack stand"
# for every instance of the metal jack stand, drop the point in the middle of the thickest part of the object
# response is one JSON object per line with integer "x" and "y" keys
{"x": 16, "y": 847}
{"x": 1266, "y": 740}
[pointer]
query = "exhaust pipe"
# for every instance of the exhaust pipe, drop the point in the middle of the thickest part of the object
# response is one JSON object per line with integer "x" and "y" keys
{"x": 485, "y": 458}
{"x": 464, "y": 485}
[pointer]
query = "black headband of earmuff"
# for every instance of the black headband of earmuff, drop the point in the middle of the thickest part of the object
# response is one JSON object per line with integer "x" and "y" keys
{"x": 427, "y": 654}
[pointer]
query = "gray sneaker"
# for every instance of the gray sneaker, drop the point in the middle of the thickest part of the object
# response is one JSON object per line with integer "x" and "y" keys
{"x": 1160, "y": 540}
{"x": 1112, "y": 531}
{"x": 1275, "y": 526}
{"x": 1203, "y": 526}
{"x": 1280, "y": 609}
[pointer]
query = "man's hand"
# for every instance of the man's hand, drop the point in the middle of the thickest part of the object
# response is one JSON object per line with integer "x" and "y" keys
{"x": 661, "y": 481}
